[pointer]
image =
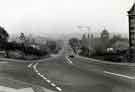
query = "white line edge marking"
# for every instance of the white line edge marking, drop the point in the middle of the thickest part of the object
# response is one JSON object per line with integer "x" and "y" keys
{"x": 69, "y": 60}
{"x": 42, "y": 75}
{"x": 48, "y": 81}
{"x": 120, "y": 75}
{"x": 38, "y": 73}
{"x": 53, "y": 84}
{"x": 44, "y": 78}
{"x": 58, "y": 88}
{"x": 30, "y": 65}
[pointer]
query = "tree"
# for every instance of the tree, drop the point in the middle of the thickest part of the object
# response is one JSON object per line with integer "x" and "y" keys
{"x": 87, "y": 44}
{"x": 84, "y": 41}
{"x": 4, "y": 39}
{"x": 75, "y": 44}
{"x": 99, "y": 46}
{"x": 105, "y": 37}
{"x": 120, "y": 45}
{"x": 84, "y": 51}
{"x": 116, "y": 38}
{"x": 22, "y": 38}
{"x": 3, "y": 34}
{"x": 104, "y": 34}
{"x": 52, "y": 46}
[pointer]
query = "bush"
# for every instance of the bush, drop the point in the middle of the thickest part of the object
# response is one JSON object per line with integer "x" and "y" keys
{"x": 26, "y": 49}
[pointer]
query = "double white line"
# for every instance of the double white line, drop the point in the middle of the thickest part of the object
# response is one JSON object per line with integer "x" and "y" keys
{"x": 44, "y": 78}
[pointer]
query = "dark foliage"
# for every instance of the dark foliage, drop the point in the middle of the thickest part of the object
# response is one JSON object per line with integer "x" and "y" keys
{"x": 84, "y": 51}
{"x": 74, "y": 44}
{"x": 118, "y": 56}
{"x": 3, "y": 34}
{"x": 23, "y": 48}
{"x": 53, "y": 47}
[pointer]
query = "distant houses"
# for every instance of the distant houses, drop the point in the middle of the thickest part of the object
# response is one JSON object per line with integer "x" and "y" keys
{"x": 103, "y": 44}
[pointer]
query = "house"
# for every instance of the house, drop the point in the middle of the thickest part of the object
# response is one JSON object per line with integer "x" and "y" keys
{"x": 131, "y": 16}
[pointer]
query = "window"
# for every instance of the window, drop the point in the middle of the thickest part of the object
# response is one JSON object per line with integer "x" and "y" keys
{"x": 132, "y": 44}
{"x": 131, "y": 17}
{"x": 132, "y": 33}
{"x": 131, "y": 28}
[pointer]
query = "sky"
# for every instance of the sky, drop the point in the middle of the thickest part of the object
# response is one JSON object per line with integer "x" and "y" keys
{"x": 63, "y": 16}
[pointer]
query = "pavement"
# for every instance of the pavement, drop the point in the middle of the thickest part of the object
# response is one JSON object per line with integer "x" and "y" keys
{"x": 8, "y": 89}
{"x": 64, "y": 74}
{"x": 31, "y": 89}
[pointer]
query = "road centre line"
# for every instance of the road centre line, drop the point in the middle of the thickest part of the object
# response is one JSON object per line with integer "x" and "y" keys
{"x": 120, "y": 75}
{"x": 47, "y": 80}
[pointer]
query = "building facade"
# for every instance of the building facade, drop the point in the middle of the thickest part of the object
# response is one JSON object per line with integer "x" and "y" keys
{"x": 131, "y": 16}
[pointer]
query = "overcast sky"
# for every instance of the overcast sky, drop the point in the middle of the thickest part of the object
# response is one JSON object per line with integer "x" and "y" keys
{"x": 51, "y": 16}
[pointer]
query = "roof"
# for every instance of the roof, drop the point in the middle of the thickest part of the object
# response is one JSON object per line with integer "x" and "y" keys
{"x": 132, "y": 9}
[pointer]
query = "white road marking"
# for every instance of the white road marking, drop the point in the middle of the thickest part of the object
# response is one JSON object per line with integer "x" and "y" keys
{"x": 44, "y": 78}
{"x": 39, "y": 73}
{"x": 34, "y": 67}
{"x": 47, "y": 80}
{"x": 58, "y": 88}
{"x": 120, "y": 75}
{"x": 30, "y": 65}
{"x": 69, "y": 61}
{"x": 53, "y": 84}
{"x": 36, "y": 71}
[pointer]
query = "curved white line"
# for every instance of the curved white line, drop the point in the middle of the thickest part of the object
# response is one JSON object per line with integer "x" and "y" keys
{"x": 47, "y": 80}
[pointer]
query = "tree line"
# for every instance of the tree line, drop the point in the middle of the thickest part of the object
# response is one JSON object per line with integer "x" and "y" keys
{"x": 105, "y": 46}
{"x": 26, "y": 45}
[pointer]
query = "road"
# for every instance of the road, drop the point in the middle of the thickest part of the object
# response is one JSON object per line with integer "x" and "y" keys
{"x": 64, "y": 74}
